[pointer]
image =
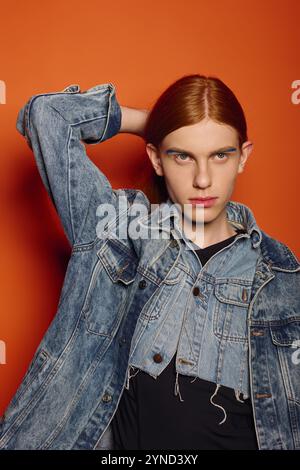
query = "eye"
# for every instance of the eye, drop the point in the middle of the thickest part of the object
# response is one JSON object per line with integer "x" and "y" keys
{"x": 179, "y": 155}
{"x": 222, "y": 154}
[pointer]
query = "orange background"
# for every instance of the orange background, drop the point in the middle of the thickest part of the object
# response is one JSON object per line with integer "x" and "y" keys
{"x": 141, "y": 47}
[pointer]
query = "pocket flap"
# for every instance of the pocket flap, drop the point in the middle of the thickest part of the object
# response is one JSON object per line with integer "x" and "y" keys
{"x": 287, "y": 334}
{"x": 117, "y": 260}
{"x": 233, "y": 293}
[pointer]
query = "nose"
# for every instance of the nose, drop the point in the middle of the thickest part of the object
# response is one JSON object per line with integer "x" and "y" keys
{"x": 202, "y": 176}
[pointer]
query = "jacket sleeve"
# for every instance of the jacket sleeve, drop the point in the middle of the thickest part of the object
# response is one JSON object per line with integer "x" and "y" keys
{"x": 56, "y": 126}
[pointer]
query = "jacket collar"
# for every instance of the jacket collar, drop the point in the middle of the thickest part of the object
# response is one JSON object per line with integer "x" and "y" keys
{"x": 238, "y": 214}
{"x": 242, "y": 217}
{"x": 275, "y": 253}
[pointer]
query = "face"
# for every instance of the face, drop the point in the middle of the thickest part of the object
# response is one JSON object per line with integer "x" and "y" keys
{"x": 200, "y": 161}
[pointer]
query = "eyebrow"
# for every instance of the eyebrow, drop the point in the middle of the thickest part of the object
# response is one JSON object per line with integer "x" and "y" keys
{"x": 176, "y": 149}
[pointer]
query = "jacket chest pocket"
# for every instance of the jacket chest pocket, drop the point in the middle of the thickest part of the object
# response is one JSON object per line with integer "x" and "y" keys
{"x": 109, "y": 284}
{"x": 286, "y": 340}
{"x": 230, "y": 309}
{"x": 165, "y": 298}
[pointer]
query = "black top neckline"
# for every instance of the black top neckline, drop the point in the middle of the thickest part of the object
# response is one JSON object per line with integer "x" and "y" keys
{"x": 220, "y": 244}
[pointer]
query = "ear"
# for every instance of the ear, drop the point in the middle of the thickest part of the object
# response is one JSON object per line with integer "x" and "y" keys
{"x": 247, "y": 149}
{"x": 155, "y": 158}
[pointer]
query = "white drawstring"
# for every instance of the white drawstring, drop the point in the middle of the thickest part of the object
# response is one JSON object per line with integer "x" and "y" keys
{"x": 176, "y": 388}
{"x": 237, "y": 393}
{"x": 130, "y": 376}
{"x": 219, "y": 406}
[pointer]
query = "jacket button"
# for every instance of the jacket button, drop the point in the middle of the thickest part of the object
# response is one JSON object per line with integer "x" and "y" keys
{"x": 106, "y": 397}
{"x": 173, "y": 243}
{"x": 196, "y": 291}
{"x": 142, "y": 284}
{"x": 257, "y": 333}
{"x": 244, "y": 295}
{"x": 157, "y": 358}
{"x": 263, "y": 395}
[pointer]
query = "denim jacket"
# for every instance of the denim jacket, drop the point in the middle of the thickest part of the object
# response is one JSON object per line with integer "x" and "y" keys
{"x": 207, "y": 329}
{"x": 127, "y": 300}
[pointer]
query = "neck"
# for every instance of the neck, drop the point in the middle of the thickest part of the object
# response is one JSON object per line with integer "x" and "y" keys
{"x": 212, "y": 232}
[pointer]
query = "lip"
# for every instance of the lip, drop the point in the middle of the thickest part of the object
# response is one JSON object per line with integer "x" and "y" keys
{"x": 205, "y": 201}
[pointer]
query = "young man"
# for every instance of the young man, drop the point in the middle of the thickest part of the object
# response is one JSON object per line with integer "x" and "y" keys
{"x": 156, "y": 303}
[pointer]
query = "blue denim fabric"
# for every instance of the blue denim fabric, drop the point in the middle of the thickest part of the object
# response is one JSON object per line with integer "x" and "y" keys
{"x": 208, "y": 330}
{"x": 241, "y": 331}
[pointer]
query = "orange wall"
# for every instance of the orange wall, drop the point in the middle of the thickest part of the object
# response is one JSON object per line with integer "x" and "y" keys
{"x": 140, "y": 46}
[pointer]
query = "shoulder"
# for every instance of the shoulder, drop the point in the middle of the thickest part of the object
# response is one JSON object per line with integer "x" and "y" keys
{"x": 133, "y": 196}
{"x": 278, "y": 254}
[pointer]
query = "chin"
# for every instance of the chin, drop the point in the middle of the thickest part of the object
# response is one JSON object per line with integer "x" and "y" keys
{"x": 210, "y": 214}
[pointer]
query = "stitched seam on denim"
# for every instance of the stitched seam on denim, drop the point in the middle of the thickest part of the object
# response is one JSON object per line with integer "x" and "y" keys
{"x": 69, "y": 183}
{"x": 52, "y": 373}
{"x": 76, "y": 398}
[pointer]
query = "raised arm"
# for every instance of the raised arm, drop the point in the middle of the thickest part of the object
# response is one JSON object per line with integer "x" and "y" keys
{"x": 133, "y": 120}
{"x": 55, "y": 126}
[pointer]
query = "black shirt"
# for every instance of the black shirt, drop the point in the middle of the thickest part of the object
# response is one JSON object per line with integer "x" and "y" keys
{"x": 150, "y": 416}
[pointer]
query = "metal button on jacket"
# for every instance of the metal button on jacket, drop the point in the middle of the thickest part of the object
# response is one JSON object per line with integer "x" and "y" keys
{"x": 157, "y": 358}
{"x": 142, "y": 284}
{"x": 106, "y": 397}
{"x": 196, "y": 291}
